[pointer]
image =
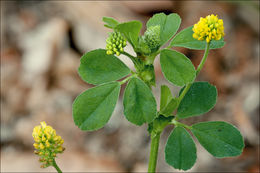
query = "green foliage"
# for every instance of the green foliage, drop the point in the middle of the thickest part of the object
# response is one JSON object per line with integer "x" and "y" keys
{"x": 130, "y": 30}
{"x": 111, "y": 22}
{"x": 180, "y": 150}
{"x": 96, "y": 67}
{"x": 166, "y": 96}
{"x": 139, "y": 102}
{"x": 200, "y": 99}
{"x": 169, "y": 24}
{"x": 184, "y": 39}
{"x": 219, "y": 138}
{"x": 93, "y": 108}
{"x": 177, "y": 68}
{"x": 171, "y": 106}
{"x": 168, "y": 103}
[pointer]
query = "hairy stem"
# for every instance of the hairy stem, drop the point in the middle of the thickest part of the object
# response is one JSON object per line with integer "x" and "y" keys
{"x": 56, "y": 166}
{"x": 154, "y": 152}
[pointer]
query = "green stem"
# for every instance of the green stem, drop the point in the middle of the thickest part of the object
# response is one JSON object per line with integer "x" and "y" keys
{"x": 156, "y": 139}
{"x": 126, "y": 79}
{"x": 186, "y": 89}
{"x": 56, "y": 166}
{"x": 151, "y": 61}
{"x": 176, "y": 123}
{"x": 202, "y": 62}
{"x": 154, "y": 152}
{"x": 169, "y": 47}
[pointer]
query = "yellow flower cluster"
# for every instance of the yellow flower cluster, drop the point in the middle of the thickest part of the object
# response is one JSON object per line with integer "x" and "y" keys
{"x": 47, "y": 144}
{"x": 208, "y": 28}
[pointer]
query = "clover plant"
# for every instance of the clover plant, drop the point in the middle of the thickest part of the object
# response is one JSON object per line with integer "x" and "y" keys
{"x": 93, "y": 108}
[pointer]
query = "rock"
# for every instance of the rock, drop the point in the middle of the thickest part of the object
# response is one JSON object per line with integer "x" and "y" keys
{"x": 40, "y": 47}
{"x": 143, "y": 7}
{"x": 249, "y": 14}
{"x": 7, "y": 134}
{"x": 69, "y": 161}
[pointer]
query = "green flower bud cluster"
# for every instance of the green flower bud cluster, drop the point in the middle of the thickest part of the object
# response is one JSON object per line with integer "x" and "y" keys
{"x": 115, "y": 43}
{"x": 152, "y": 37}
{"x": 150, "y": 41}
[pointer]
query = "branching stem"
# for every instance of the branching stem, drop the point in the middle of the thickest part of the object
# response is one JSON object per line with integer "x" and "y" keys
{"x": 176, "y": 123}
{"x": 156, "y": 139}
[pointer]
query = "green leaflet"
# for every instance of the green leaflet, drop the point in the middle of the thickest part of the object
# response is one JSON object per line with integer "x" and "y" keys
{"x": 167, "y": 104}
{"x": 171, "y": 106}
{"x": 93, "y": 108}
{"x": 96, "y": 67}
{"x": 169, "y": 24}
{"x": 177, "y": 68}
{"x": 201, "y": 98}
{"x": 111, "y": 22}
{"x": 139, "y": 102}
{"x": 166, "y": 96}
{"x": 219, "y": 138}
{"x": 130, "y": 30}
{"x": 184, "y": 39}
{"x": 180, "y": 150}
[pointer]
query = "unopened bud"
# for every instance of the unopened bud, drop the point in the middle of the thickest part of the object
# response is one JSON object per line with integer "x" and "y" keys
{"x": 115, "y": 44}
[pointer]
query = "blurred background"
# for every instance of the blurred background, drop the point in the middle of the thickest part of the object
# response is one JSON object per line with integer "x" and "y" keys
{"x": 41, "y": 46}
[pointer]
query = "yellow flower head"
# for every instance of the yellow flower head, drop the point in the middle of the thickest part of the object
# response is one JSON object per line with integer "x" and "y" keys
{"x": 209, "y": 28}
{"x": 47, "y": 144}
